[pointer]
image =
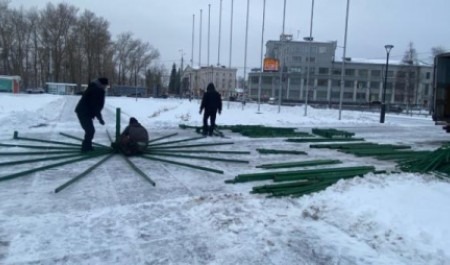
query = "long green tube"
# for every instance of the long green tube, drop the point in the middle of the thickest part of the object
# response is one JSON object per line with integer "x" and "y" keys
{"x": 39, "y": 153}
{"x": 163, "y": 137}
{"x": 18, "y": 162}
{"x": 299, "y": 164}
{"x": 307, "y": 140}
{"x": 80, "y": 139}
{"x": 200, "y": 157}
{"x": 183, "y": 164}
{"x": 178, "y": 141}
{"x": 42, "y": 141}
{"x": 188, "y": 146}
{"x": 40, "y": 146}
{"x": 200, "y": 151}
{"x": 84, "y": 173}
{"x": 140, "y": 172}
{"x": 19, "y": 174}
{"x": 118, "y": 132}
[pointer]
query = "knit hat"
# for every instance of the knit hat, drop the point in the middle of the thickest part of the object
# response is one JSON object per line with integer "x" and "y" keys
{"x": 133, "y": 120}
{"x": 103, "y": 81}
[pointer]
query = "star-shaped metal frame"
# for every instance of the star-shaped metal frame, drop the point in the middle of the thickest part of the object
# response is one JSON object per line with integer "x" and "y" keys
{"x": 70, "y": 153}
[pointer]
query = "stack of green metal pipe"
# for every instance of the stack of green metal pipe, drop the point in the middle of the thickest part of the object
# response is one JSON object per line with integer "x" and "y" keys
{"x": 300, "y": 182}
{"x": 438, "y": 160}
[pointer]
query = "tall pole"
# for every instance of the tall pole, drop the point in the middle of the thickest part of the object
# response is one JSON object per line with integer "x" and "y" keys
{"x": 246, "y": 45}
{"x": 193, "y": 38}
{"x": 282, "y": 57}
{"x": 231, "y": 48}
{"x": 220, "y": 32}
{"x": 262, "y": 61}
{"x": 383, "y": 103}
{"x": 200, "y": 40}
{"x": 309, "y": 58}
{"x": 209, "y": 31}
{"x": 341, "y": 94}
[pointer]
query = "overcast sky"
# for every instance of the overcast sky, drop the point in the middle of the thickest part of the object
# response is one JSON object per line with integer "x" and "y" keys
{"x": 167, "y": 25}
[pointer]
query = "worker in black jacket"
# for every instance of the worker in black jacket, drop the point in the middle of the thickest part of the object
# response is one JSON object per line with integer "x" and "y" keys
{"x": 134, "y": 138}
{"x": 211, "y": 103}
{"x": 90, "y": 107}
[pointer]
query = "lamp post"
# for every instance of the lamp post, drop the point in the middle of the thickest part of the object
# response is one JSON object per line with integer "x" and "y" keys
{"x": 388, "y": 48}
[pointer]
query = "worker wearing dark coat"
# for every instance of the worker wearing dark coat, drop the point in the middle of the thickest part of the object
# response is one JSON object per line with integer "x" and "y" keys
{"x": 90, "y": 107}
{"x": 211, "y": 103}
{"x": 134, "y": 139}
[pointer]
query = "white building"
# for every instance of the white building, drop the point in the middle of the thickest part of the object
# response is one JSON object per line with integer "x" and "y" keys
{"x": 195, "y": 80}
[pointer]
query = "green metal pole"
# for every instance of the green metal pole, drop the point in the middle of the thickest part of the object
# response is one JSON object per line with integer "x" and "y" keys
{"x": 163, "y": 137}
{"x": 39, "y": 153}
{"x": 140, "y": 172}
{"x": 117, "y": 125}
{"x": 22, "y": 173}
{"x": 178, "y": 141}
{"x": 78, "y": 177}
{"x": 200, "y": 157}
{"x": 201, "y": 151}
{"x": 183, "y": 164}
{"x": 80, "y": 139}
{"x": 39, "y": 146}
{"x": 188, "y": 146}
{"x": 10, "y": 163}
{"x": 299, "y": 164}
{"x": 16, "y": 136}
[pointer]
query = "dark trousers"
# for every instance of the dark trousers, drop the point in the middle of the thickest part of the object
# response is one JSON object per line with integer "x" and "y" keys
{"x": 212, "y": 117}
{"x": 87, "y": 124}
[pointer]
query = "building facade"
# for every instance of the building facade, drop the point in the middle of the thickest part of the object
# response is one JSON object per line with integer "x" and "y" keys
{"x": 195, "y": 80}
{"x": 407, "y": 84}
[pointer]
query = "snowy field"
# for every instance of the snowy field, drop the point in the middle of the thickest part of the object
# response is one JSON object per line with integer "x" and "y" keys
{"x": 113, "y": 216}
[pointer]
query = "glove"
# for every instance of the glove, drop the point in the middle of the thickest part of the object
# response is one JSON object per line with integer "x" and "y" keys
{"x": 102, "y": 122}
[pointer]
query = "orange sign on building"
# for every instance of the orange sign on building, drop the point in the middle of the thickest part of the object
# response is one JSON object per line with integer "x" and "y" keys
{"x": 271, "y": 65}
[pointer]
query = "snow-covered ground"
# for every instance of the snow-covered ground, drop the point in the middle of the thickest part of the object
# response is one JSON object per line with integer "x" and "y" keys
{"x": 113, "y": 216}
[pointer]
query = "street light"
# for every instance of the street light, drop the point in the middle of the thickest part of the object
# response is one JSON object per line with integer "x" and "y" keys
{"x": 388, "y": 48}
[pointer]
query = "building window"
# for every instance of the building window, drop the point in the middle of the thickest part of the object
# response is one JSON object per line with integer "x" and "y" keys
{"x": 296, "y": 59}
{"x": 349, "y": 72}
{"x": 322, "y": 49}
{"x": 295, "y": 81}
{"x": 390, "y": 73}
{"x": 323, "y": 70}
{"x": 363, "y": 73}
{"x": 376, "y": 73}
{"x": 348, "y": 95}
{"x": 311, "y": 59}
{"x": 362, "y": 84}
{"x": 254, "y": 79}
{"x": 426, "y": 90}
{"x": 336, "y": 83}
{"x": 427, "y": 75}
{"x": 322, "y": 82}
{"x": 267, "y": 80}
{"x": 374, "y": 84}
{"x": 337, "y": 72}
{"x": 349, "y": 83}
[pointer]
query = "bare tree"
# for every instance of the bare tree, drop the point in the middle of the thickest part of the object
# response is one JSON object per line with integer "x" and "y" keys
{"x": 407, "y": 78}
{"x": 57, "y": 24}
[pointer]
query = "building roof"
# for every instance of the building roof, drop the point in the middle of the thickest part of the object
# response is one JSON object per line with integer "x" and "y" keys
{"x": 379, "y": 61}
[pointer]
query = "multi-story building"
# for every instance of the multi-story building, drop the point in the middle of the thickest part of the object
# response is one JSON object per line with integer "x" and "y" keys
{"x": 195, "y": 80}
{"x": 407, "y": 84}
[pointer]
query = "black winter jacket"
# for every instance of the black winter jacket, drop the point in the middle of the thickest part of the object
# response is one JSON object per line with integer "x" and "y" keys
{"x": 211, "y": 102}
{"x": 92, "y": 101}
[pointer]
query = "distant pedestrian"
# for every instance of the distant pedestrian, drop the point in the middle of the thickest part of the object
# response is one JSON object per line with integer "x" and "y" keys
{"x": 134, "y": 139}
{"x": 90, "y": 107}
{"x": 211, "y": 103}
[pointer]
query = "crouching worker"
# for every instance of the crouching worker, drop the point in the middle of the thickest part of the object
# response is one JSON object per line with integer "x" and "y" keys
{"x": 134, "y": 139}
